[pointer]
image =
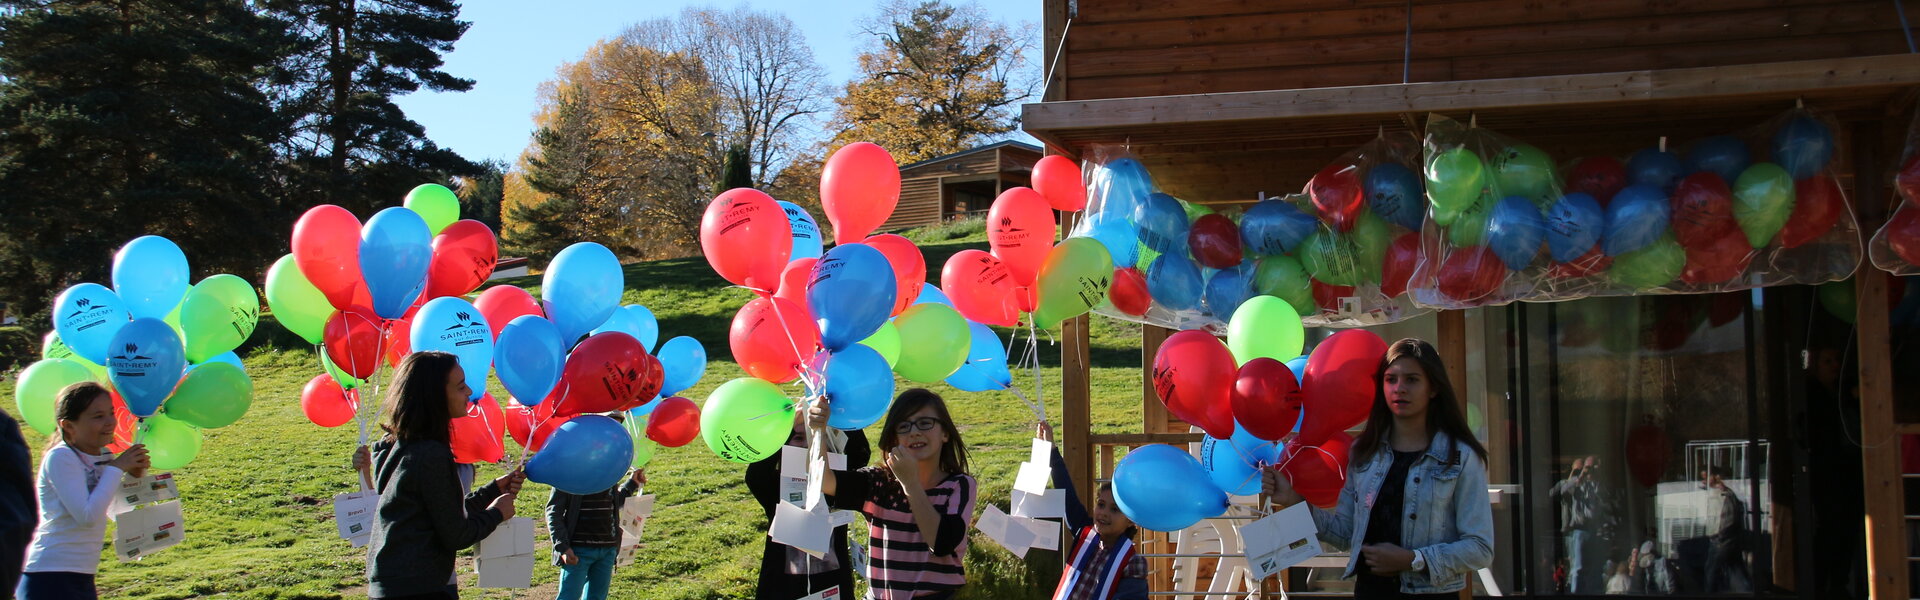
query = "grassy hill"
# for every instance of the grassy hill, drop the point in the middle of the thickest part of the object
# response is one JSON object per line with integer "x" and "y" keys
{"x": 257, "y": 499}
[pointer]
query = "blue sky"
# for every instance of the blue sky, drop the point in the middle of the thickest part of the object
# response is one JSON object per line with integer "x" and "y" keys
{"x": 515, "y": 45}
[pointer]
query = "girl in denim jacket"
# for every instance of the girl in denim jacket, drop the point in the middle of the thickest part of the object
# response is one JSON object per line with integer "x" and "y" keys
{"x": 1414, "y": 511}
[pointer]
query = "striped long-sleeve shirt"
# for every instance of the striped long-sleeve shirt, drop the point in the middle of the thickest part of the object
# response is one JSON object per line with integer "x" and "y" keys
{"x": 903, "y": 565}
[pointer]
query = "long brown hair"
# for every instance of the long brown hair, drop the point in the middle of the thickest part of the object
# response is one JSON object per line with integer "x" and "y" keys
{"x": 72, "y": 402}
{"x": 1443, "y": 411}
{"x": 416, "y": 405}
{"x": 953, "y": 454}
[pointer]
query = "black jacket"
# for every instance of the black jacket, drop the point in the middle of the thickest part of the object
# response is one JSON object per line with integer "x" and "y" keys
{"x": 763, "y": 479}
{"x": 419, "y": 524}
{"x": 564, "y": 515}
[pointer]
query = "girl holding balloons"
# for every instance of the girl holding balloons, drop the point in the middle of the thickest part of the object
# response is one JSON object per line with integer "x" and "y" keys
{"x": 421, "y": 520}
{"x": 919, "y": 503}
{"x": 1414, "y": 509}
{"x": 78, "y": 478}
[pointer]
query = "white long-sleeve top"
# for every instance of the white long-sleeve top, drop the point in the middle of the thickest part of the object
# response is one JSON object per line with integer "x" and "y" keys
{"x": 75, "y": 490}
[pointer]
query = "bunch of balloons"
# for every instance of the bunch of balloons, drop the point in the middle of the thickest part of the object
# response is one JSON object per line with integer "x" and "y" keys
{"x": 1896, "y": 247}
{"x": 163, "y": 348}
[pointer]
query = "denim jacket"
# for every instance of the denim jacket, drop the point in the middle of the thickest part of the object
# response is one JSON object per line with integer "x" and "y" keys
{"x": 1447, "y": 516}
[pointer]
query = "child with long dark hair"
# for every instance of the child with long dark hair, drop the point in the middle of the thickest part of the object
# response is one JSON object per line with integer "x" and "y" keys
{"x": 422, "y": 519}
{"x": 1414, "y": 510}
{"x": 919, "y": 503}
{"x": 78, "y": 478}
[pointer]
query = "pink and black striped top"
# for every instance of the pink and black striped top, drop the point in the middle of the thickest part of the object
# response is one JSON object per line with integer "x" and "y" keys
{"x": 902, "y": 564}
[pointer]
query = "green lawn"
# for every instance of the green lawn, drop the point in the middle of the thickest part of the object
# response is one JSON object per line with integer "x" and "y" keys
{"x": 257, "y": 499}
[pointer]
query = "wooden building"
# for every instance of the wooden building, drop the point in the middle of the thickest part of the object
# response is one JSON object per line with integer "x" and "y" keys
{"x": 1223, "y": 100}
{"x": 960, "y": 184}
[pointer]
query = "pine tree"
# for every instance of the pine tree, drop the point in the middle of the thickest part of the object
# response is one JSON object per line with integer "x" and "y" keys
{"x": 738, "y": 172}
{"x": 559, "y": 173}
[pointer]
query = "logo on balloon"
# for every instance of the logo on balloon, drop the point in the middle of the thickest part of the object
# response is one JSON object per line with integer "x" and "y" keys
{"x": 88, "y": 316}
{"x": 737, "y": 214}
{"x": 465, "y": 331}
{"x": 131, "y": 362}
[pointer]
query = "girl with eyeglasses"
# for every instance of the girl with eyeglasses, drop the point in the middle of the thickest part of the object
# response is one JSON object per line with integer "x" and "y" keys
{"x": 919, "y": 503}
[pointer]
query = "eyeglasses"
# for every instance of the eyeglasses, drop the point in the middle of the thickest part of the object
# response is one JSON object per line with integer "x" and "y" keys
{"x": 921, "y": 424}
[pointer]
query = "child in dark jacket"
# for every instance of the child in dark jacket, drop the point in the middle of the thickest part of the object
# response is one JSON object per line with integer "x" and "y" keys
{"x": 1102, "y": 563}
{"x": 586, "y": 537}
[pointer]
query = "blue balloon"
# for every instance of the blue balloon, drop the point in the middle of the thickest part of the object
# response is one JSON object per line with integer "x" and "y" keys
{"x": 1123, "y": 185}
{"x": 87, "y": 316}
{"x": 582, "y": 288}
{"x": 145, "y": 363}
{"x": 859, "y": 384}
{"x": 1802, "y": 146}
{"x": 851, "y": 294}
{"x": 806, "y": 232}
{"x": 1651, "y": 166}
{"x": 1274, "y": 227}
{"x": 1162, "y": 488}
{"x": 1116, "y": 233}
{"x": 1574, "y": 225}
{"x": 151, "y": 276}
{"x": 1637, "y": 217}
{"x": 646, "y": 409}
{"x": 1396, "y": 195}
{"x": 931, "y": 294}
{"x": 1515, "y": 231}
{"x": 1299, "y": 367}
{"x": 452, "y": 325}
{"x": 682, "y": 361}
{"x": 634, "y": 320}
{"x": 986, "y": 366}
{"x": 395, "y": 250}
{"x": 1174, "y": 282}
{"x": 1724, "y": 155}
{"x": 1227, "y": 289}
{"x": 585, "y": 455}
{"x": 1162, "y": 224}
{"x": 1234, "y": 464}
{"x": 229, "y": 358}
{"x": 528, "y": 358}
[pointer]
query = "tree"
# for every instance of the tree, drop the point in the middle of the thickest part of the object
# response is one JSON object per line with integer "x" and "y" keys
{"x": 133, "y": 117}
{"x": 545, "y": 214}
{"x": 737, "y": 173}
{"x": 937, "y": 79}
{"x": 481, "y": 195}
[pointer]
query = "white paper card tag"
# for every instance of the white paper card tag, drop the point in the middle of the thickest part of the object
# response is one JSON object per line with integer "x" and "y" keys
{"x": 840, "y": 518}
{"x": 832, "y": 593}
{"x": 1046, "y": 534}
{"x": 816, "y": 477}
{"x": 859, "y": 555}
{"x": 360, "y": 541}
{"x": 1002, "y": 529}
{"x": 1033, "y": 478}
{"x": 148, "y": 529}
{"x": 633, "y": 518}
{"x": 353, "y": 514}
{"x": 505, "y": 571}
{"x": 801, "y": 528}
{"x": 793, "y": 475}
{"x": 513, "y": 537}
{"x": 1042, "y": 453}
{"x": 1280, "y": 540}
{"x": 135, "y": 491}
{"x": 1050, "y": 504}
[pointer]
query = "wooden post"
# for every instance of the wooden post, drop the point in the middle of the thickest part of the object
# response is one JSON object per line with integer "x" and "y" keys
{"x": 1453, "y": 349}
{"x": 1879, "y": 430}
{"x": 1153, "y": 413}
{"x": 1076, "y": 398}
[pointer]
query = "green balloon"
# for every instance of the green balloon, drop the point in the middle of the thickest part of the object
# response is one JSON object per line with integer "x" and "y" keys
{"x": 218, "y": 315}
{"x": 210, "y": 396}
{"x": 1525, "y": 171}
{"x": 1649, "y": 267}
{"x": 296, "y": 304}
{"x": 38, "y": 387}
{"x": 1762, "y": 201}
{"x": 171, "y": 443}
{"x": 1073, "y": 279}
{"x": 746, "y": 420}
{"x": 1371, "y": 238}
{"x": 1265, "y": 326}
{"x": 886, "y": 341}
{"x": 347, "y": 382}
{"x": 436, "y": 204}
{"x": 1470, "y": 228}
{"x": 1330, "y": 258}
{"x": 52, "y": 347}
{"x": 642, "y": 447}
{"x": 940, "y": 342}
{"x": 1282, "y": 277}
{"x": 1195, "y": 210}
{"x": 1838, "y": 298}
{"x": 1454, "y": 180}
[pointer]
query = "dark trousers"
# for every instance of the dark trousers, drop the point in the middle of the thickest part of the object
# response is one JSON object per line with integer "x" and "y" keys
{"x": 56, "y": 585}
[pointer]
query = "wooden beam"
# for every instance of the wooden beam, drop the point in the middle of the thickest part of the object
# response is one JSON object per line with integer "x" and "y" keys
{"x": 1883, "y": 488}
{"x": 1136, "y": 439}
{"x": 1153, "y": 413}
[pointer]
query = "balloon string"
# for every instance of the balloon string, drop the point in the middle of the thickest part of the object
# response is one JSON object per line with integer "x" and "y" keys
{"x": 1296, "y": 452}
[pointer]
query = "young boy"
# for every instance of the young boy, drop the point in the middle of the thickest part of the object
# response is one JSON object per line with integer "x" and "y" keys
{"x": 586, "y": 537}
{"x": 1101, "y": 562}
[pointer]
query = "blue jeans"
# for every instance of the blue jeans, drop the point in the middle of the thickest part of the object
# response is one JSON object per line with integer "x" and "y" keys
{"x": 1584, "y": 558}
{"x": 590, "y": 577}
{"x": 53, "y": 585}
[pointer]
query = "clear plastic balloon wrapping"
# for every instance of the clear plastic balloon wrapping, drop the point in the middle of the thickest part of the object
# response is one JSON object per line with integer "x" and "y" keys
{"x": 1896, "y": 247}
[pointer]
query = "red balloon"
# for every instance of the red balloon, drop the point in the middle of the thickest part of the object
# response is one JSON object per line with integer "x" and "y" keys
{"x": 1908, "y": 179}
{"x": 1471, "y": 273}
{"x": 674, "y": 423}
{"x": 1648, "y": 450}
{"x": 325, "y": 403}
{"x": 502, "y": 304}
{"x": 1597, "y": 176}
{"x": 1266, "y": 399}
{"x": 1318, "y": 472}
{"x": 859, "y": 188}
{"x": 352, "y": 339}
{"x": 1593, "y": 262}
{"x": 1328, "y": 296}
{"x": 1403, "y": 257}
{"x": 981, "y": 288}
{"x": 1020, "y": 231}
{"x": 1193, "y": 374}
{"x": 909, "y": 267}
{"x": 544, "y": 429}
{"x": 607, "y": 372}
{"x": 520, "y": 421}
{"x": 463, "y": 257}
{"x": 772, "y": 337}
{"x": 1903, "y": 233}
{"x": 398, "y": 342}
{"x": 793, "y": 280}
{"x": 1057, "y": 178}
{"x": 1215, "y": 241}
{"x": 1340, "y": 383}
{"x": 124, "y": 423}
{"x": 746, "y": 238}
{"x": 480, "y": 435}
{"x": 1129, "y": 292}
{"x": 1720, "y": 261}
{"x": 1335, "y": 192}
{"x": 1817, "y": 206}
{"x": 1702, "y": 210}
{"x": 1724, "y": 308}
{"x": 326, "y": 247}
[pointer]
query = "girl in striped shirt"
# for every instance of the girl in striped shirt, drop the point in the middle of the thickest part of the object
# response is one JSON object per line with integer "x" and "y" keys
{"x": 919, "y": 504}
